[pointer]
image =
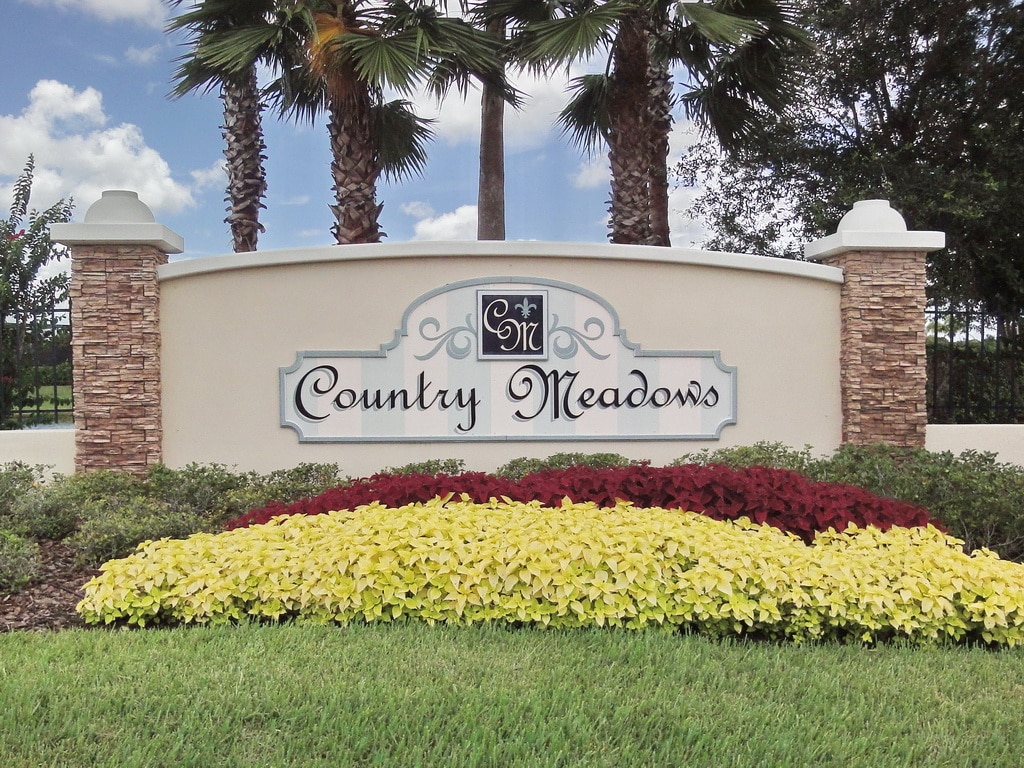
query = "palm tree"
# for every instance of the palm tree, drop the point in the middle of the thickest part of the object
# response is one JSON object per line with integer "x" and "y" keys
{"x": 353, "y": 53}
{"x": 490, "y": 208}
{"x": 735, "y": 54}
{"x": 207, "y": 21}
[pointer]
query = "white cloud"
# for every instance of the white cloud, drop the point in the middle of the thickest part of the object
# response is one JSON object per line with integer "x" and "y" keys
{"x": 143, "y": 56}
{"x": 458, "y": 120}
{"x": 79, "y": 155}
{"x": 460, "y": 224}
{"x": 686, "y": 232}
{"x": 213, "y": 177}
{"x": 417, "y": 209}
{"x": 592, "y": 173}
{"x": 147, "y": 12}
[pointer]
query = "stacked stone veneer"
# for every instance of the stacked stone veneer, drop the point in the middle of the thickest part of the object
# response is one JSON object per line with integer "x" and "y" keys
{"x": 115, "y": 314}
{"x": 115, "y": 322}
{"x": 883, "y": 369}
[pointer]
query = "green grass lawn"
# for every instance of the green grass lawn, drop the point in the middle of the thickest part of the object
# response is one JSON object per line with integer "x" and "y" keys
{"x": 46, "y": 404}
{"x": 414, "y": 695}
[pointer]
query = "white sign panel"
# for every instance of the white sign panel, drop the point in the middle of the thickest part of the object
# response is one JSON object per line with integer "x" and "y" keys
{"x": 508, "y": 359}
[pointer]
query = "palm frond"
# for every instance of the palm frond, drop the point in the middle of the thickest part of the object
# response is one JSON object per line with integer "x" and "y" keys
{"x": 585, "y": 119}
{"x": 234, "y": 50}
{"x": 298, "y": 93}
{"x": 568, "y": 39}
{"x": 516, "y": 12}
{"x": 228, "y": 37}
{"x": 733, "y": 85}
{"x": 395, "y": 61}
{"x": 720, "y": 27}
{"x": 462, "y": 53}
{"x": 403, "y": 136}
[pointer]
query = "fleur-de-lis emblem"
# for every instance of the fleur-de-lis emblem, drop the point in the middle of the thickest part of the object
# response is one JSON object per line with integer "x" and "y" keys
{"x": 525, "y": 307}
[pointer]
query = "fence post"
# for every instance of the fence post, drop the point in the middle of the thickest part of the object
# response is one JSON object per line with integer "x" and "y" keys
{"x": 115, "y": 326}
{"x": 883, "y": 368}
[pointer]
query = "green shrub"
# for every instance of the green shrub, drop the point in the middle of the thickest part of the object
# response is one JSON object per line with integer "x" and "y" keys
{"x": 200, "y": 496}
{"x": 112, "y": 528}
{"x": 760, "y": 454}
{"x": 200, "y": 488}
{"x": 83, "y": 487}
{"x": 517, "y": 469}
{"x": 978, "y": 499}
{"x": 429, "y": 467}
{"x": 301, "y": 481}
{"x": 282, "y": 485}
{"x": 19, "y": 562}
{"x": 16, "y": 479}
{"x": 215, "y": 493}
{"x": 44, "y": 513}
{"x": 52, "y": 510}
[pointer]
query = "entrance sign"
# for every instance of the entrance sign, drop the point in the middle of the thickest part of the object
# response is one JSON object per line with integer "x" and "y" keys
{"x": 508, "y": 359}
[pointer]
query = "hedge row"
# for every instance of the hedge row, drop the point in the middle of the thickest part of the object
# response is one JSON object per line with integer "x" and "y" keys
{"x": 781, "y": 498}
{"x": 576, "y": 564}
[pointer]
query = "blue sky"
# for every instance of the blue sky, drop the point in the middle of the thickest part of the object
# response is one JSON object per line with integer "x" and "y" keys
{"x": 84, "y": 84}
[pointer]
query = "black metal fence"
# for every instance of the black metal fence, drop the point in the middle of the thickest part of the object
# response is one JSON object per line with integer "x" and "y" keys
{"x": 975, "y": 367}
{"x": 35, "y": 369}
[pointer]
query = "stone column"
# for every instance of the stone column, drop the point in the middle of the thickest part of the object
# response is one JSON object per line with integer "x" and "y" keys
{"x": 883, "y": 370}
{"x": 115, "y": 327}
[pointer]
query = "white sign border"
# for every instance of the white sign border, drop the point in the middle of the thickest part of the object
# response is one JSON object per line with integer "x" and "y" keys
{"x": 403, "y": 332}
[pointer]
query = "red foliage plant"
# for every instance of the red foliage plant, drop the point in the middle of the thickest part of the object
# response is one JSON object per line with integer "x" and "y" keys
{"x": 781, "y": 498}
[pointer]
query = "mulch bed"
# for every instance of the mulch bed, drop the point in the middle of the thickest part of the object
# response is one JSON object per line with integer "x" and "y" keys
{"x": 49, "y": 603}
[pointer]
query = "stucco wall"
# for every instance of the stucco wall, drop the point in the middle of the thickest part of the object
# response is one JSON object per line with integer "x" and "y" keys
{"x": 229, "y": 323}
{"x": 53, "y": 448}
{"x": 1004, "y": 440}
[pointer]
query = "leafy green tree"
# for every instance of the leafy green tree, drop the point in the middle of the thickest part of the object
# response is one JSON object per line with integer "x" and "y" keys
{"x": 25, "y": 249}
{"x": 735, "y": 55}
{"x": 918, "y": 102}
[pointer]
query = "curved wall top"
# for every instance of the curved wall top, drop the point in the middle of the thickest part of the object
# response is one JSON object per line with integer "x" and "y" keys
{"x": 525, "y": 248}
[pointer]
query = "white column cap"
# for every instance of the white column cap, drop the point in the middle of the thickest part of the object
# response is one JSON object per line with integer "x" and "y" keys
{"x": 118, "y": 218}
{"x": 873, "y": 225}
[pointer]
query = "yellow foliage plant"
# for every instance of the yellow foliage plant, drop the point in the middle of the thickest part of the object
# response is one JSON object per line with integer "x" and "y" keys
{"x": 455, "y": 561}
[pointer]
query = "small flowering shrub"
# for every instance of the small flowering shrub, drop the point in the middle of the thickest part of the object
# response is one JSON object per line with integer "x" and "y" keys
{"x": 781, "y": 498}
{"x": 576, "y": 564}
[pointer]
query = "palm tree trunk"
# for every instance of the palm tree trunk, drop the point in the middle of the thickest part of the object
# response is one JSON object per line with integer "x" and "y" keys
{"x": 490, "y": 209}
{"x": 355, "y": 168}
{"x": 660, "y": 127}
{"x": 244, "y": 150}
{"x": 628, "y": 144}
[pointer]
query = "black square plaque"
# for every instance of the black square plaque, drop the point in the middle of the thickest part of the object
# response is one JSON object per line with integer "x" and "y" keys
{"x": 512, "y": 325}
